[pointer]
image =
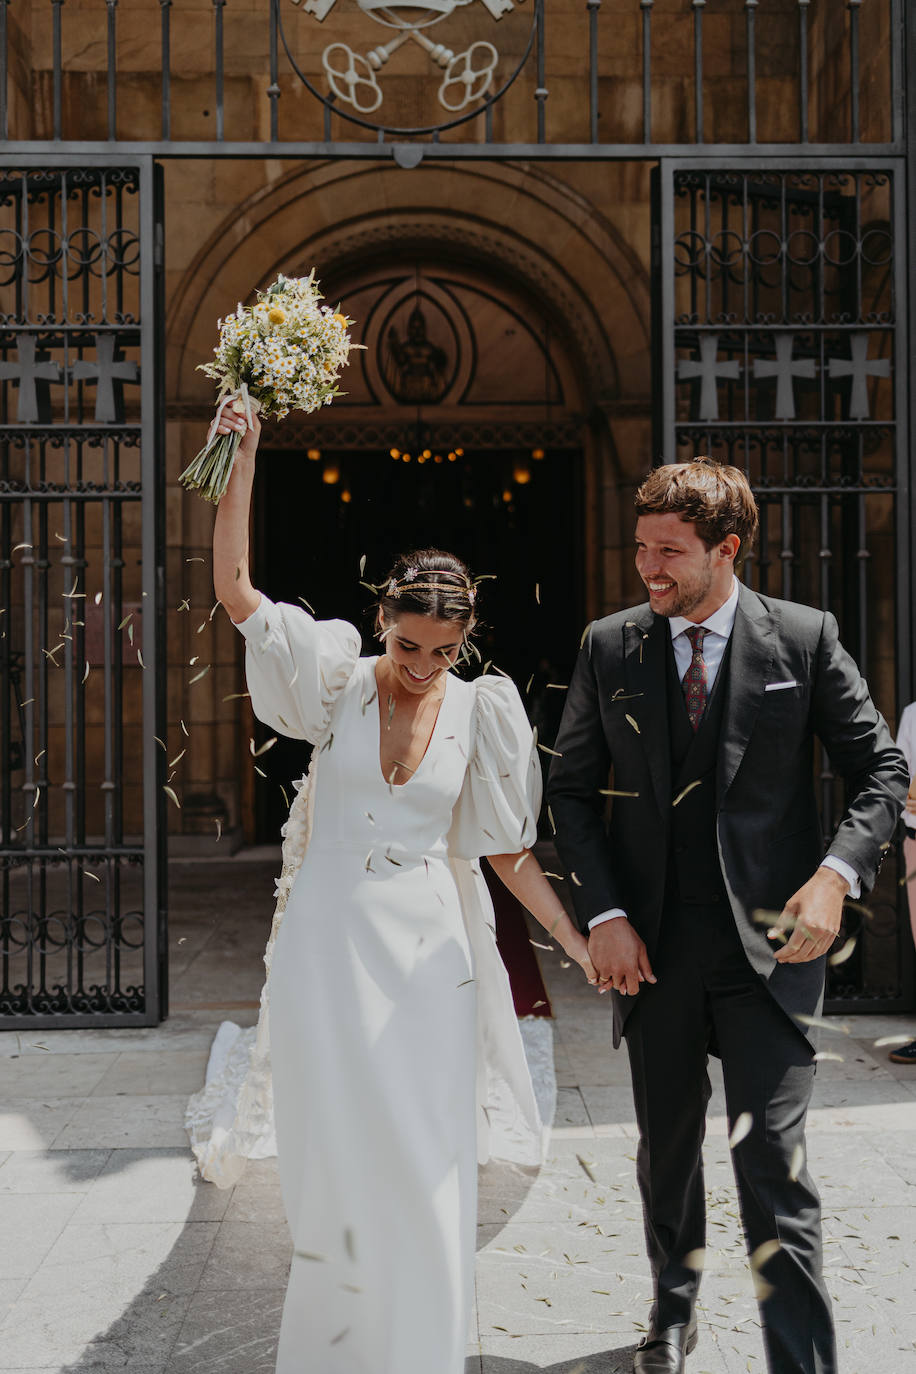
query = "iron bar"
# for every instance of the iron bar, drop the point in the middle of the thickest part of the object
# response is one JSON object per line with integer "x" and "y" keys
{"x": 273, "y": 90}
{"x": 863, "y": 558}
{"x": 751, "y": 39}
{"x": 853, "y": 7}
{"x": 803, "y": 70}
{"x": 380, "y": 149}
{"x": 218, "y": 6}
{"x": 646, "y": 7}
{"x": 166, "y": 64}
{"x": 58, "y": 69}
{"x": 4, "y": 71}
{"x": 112, "y": 69}
{"x": 898, "y": 91}
{"x": 541, "y": 91}
{"x": 593, "y": 8}
{"x": 698, "y": 7}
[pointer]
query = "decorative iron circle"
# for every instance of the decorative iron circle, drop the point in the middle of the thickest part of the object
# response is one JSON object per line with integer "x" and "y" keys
{"x": 877, "y": 247}
{"x": 726, "y": 248}
{"x": 764, "y": 247}
{"x": 840, "y": 248}
{"x": 797, "y": 254}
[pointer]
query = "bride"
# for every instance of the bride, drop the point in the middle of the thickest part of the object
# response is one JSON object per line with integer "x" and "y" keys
{"x": 383, "y": 965}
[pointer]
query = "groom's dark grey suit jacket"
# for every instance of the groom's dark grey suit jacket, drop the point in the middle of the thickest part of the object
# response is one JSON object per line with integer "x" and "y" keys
{"x": 767, "y": 820}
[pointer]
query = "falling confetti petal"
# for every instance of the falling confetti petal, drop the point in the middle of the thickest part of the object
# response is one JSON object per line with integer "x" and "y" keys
{"x": 795, "y": 1167}
{"x": 197, "y": 676}
{"x": 892, "y": 1040}
{"x": 843, "y": 954}
{"x": 823, "y": 1024}
{"x": 741, "y": 1129}
{"x": 695, "y": 1259}
{"x": 172, "y": 796}
{"x": 269, "y": 744}
{"x": 586, "y": 1169}
{"x": 634, "y": 725}
{"x": 689, "y": 788}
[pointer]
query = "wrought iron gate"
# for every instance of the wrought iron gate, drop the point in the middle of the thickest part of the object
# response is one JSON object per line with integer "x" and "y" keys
{"x": 780, "y": 346}
{"x": 81, "y": 838}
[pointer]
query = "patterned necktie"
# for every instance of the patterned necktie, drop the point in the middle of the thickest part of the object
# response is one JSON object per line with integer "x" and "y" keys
{"x": 695, "y": 682}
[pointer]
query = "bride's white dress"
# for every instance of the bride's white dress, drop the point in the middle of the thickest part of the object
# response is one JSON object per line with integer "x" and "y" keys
{"x": 393, "y": 1048}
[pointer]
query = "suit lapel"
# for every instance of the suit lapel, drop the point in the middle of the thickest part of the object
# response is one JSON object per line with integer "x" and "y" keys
{"x": 752, "y": 650}
{"x": 645, "y": 652}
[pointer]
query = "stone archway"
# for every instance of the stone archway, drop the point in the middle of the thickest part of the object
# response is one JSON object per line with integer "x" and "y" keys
{"x": 540, "y": 231}
{"x": 542, "y": 240}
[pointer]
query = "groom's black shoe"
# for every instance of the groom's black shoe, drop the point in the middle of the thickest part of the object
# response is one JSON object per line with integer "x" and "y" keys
{"x": 664, "y": 1349}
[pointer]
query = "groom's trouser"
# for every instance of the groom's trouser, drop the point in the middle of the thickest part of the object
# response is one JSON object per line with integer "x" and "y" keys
{"x": 708, "y": 999}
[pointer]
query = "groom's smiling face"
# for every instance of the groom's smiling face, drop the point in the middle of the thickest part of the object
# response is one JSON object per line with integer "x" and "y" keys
{"x": 681, "y": 575}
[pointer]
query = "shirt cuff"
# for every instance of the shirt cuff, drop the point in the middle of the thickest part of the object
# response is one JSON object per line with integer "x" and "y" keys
{"x": 846, "y": 871}
{"x": 611, "y": 915}
{"x": 255, "y": 626}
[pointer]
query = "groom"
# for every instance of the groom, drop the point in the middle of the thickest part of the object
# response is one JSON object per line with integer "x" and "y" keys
{"x": 704, "y": 706}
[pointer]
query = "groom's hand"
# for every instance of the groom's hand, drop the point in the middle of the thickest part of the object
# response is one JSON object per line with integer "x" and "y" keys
{"x": 619, "y": 956}
{"x": 813, "y": 915}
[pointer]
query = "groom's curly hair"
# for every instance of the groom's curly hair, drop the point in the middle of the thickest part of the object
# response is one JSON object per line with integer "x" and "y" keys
{"x": 713, "y": 496}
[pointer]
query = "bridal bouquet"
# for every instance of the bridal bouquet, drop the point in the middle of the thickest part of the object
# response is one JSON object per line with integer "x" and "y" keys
{"x": 283, "y": 353}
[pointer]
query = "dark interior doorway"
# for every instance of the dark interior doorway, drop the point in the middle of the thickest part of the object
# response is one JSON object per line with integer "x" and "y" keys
{"x": 513, "y": 517}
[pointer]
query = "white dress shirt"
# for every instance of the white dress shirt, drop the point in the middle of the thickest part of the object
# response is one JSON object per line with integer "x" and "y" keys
{"x": 906, "y": 743}
{"x": 718, "y": 628}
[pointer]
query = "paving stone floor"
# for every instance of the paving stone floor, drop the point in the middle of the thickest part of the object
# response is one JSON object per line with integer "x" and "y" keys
{"x": 114, "y": 1257}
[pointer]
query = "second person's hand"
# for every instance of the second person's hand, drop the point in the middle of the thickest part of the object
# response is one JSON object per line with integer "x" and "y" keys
{"x": 620, "y": 957}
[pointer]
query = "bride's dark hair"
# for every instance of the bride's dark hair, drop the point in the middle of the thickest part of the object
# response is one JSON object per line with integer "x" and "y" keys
{"x": 429, "y": 582}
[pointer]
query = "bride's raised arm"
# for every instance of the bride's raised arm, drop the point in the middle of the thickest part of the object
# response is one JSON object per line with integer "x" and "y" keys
{"x": 295, "y": 666}
{"x": 231, "y": 576}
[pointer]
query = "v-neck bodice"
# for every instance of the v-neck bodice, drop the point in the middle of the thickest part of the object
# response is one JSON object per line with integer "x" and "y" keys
{"x": 357, "y": 808}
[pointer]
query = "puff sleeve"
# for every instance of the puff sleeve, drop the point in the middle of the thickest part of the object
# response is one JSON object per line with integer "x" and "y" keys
{"x": 296, "y": 667}
{"x": 497, "y": 809}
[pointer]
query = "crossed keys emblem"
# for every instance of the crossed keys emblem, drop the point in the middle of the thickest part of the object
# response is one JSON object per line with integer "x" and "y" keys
{"x": 466, "y": 76}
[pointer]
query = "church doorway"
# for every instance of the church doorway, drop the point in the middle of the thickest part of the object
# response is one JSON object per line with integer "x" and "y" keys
{"x": 461, "y": 429}
{"x": 326, "y": 527}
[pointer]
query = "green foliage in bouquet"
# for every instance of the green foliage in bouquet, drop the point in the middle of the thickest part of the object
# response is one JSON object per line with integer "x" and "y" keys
{"x": 283, "y": 353}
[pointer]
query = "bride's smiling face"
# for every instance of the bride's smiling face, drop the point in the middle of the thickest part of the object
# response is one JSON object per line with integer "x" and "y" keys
{"x": 420, "y": 648}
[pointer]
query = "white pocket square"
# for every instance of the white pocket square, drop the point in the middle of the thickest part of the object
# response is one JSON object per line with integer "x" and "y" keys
{"x": 780, "y": 686}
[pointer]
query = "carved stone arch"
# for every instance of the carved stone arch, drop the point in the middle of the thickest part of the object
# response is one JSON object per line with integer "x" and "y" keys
{"x": 487, "y": 247}
{"x": 545, "y": 236}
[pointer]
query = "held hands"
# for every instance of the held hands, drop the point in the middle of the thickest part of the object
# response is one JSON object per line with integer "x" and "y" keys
{"x": 620, "y": 957}
{"x": 813, "y": 915}
{"x": 577, "y": 948}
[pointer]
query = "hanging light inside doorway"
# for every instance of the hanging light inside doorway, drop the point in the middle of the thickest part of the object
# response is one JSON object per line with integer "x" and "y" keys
{"x": 331, "y": 474}
{"x": 313, "y": 455}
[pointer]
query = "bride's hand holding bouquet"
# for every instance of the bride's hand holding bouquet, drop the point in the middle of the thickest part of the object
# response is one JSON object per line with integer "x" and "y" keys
{"x": 283, "y": 353}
